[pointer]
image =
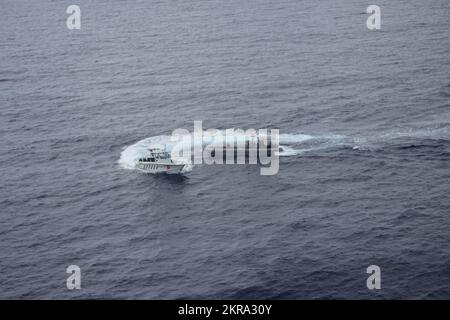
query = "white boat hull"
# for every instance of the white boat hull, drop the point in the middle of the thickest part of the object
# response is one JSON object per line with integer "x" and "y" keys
{"x": 151, "y": 167}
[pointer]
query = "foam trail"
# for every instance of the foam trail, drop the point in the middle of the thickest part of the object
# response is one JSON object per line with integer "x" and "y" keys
{"x": 294, "y": 138}
{"x": 187, "y": 168}
{"x": 286, "y": 151}
{"x": 131, "y": 154}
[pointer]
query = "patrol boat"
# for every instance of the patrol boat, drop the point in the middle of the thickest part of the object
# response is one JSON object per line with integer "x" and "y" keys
{"x": 159, "y": 161}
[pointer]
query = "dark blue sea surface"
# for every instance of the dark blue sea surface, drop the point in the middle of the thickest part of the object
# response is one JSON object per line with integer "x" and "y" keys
{"x": 71, "y": 102}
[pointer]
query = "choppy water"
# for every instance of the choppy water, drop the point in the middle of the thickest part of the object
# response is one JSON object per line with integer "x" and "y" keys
{"x": 72, "y": 101}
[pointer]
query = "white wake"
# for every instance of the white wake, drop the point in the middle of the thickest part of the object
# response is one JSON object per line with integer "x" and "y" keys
{"x": 289, "y": 145}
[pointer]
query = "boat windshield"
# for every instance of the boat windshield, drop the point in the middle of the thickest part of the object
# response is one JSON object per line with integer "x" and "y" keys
{"x": 164, "y": 155}
{"x": 150, "y": 159}
{"x": 160, "y": 154}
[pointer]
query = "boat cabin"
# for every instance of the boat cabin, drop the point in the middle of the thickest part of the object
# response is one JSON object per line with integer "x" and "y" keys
{"x": 156, "y": 154}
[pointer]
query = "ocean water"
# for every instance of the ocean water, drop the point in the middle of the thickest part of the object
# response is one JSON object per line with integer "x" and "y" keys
{"x": 73, "y": 102}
